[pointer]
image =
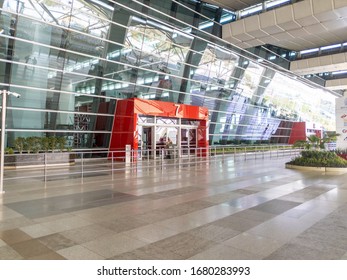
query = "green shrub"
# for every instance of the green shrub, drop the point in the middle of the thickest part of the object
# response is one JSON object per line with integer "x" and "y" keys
{"x": 36, "y": 144}
{"x": 19, "y": 144}
{"x": 319, "y": 159}
{"x": 61, "y": 142}
{"x": 52, "y": 143}
{"x": 45, "y": 143}
{"x": 9, "y": 151}
{"x": 33, "y": 144}
{"x": 318, "y": 154}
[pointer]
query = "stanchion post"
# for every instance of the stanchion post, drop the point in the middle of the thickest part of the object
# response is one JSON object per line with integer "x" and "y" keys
{"x": 112, "y": 162}
{"x": 82, "y": 167}
{"x": 45, "y": 168}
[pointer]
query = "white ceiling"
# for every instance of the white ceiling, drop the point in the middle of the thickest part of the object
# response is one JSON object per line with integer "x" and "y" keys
{"x": 300, "y": 26}
{"x": 303, "y": 25}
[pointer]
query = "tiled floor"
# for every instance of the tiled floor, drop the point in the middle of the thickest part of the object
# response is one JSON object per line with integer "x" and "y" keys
{"x": 216, "y": 210}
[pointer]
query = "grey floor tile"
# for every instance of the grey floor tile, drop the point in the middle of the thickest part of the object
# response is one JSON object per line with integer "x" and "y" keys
{"x": 236, "y": 223}
{"x": 223, "y": 252}
{"x": 86, "y": 233}
{"x": 111, "y": 245}
{"x": 122, "y": 224}
{"x": 14, "y": 236}
{"x": 239, "y": 209}
{"x": 254, "y": 215}
{"x": 184, "y": 244}
{"x": 31, "y": 248}
{"x": 149, "y": 252}
{"x": 276, "y": 206}
{"x": 79, "y": 252}
{"x": 213, "y": 232}
{"x": 254, "y": 244}
{"x": 292, "y": 251}
{"x": 56, "y": 241}
{"x": 7, "y": 253}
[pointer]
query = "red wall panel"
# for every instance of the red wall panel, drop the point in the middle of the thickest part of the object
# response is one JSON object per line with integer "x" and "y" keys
{"x": 298, "y": 132}
{"x": 124, "y": 131}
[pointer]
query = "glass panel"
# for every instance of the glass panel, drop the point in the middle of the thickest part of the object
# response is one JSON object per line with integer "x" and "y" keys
{"x": 66, "y": 56}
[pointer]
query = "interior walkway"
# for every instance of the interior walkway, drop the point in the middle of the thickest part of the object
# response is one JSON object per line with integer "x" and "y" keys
{"x": 217, "y": 210}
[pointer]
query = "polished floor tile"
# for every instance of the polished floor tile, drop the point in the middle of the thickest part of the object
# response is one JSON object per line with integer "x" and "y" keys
{"x": 224, "y": 252}
{"x": 184, "y": 244}
{"x": 275, "y": 206}
{"x": 56, "y": 241}
{"x": 79, "y": 252}
{"x": 115, "y": 244}
{"x": 8, "y": 253}
{"x": 148, "y": 252}
{"x": 14, "y": 236}
{"x": 151, "y": 233}
{"x": 230, "y": 209}
{"x": 213, "y": 232}
{"x": 31, "y": 248}
{"x": 86, "y": 233}
{"x": 254, "y": 244}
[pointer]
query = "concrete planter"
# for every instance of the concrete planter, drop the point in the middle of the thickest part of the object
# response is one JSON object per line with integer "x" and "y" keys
{"x": 38, "y": 160}
{"x": 321, "y": 169}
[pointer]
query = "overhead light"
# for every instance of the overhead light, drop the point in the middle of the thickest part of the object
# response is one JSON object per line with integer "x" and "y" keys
{"x": 276, "y": 3}
{"x": 331, "y": 47}
{"x": 251, "y": 10}
{"x": 227, "y": 18}
{"x": 339, "y": 72}
{"x": 309, "y": 51}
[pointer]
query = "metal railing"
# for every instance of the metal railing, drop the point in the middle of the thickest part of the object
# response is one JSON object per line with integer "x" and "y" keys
{"x": 46, "y": 167}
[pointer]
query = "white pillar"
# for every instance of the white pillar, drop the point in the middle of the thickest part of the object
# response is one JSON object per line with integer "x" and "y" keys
{"x": 2, "y": 149}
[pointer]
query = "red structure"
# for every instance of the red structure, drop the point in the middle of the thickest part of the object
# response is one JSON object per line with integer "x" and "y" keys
{"x": 301, "y": 130}
{"x": 124, "y": 131}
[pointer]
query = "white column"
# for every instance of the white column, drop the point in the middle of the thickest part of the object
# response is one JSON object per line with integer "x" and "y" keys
{"x": 341, "y": 122}
{"x": 2, "y": 150}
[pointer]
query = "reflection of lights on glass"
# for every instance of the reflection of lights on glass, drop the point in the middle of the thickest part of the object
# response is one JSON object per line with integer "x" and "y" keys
{"x": 102, "y": 4}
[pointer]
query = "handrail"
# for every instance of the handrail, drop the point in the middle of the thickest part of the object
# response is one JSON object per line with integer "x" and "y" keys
{"x": 61, "y": 165}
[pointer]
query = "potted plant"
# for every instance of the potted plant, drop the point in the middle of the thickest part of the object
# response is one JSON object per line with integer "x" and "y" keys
{"x": 316, "y": 156}
{"x": 34, "y": 146}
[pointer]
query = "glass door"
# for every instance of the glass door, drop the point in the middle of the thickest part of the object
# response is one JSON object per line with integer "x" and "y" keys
{"x": 188, "y": 141}
{"x": 146, "y": 141}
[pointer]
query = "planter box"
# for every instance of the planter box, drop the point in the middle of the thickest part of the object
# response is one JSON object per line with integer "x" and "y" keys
{"x": 308, "y": 168}
{"x": 321, "y": 169}
{"x": 38, "y": 160}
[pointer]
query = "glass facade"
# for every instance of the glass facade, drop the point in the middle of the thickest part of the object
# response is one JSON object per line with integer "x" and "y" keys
{"x": 71, "y": 60}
